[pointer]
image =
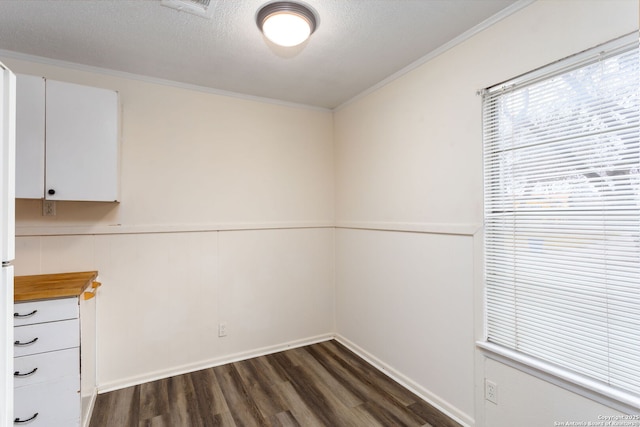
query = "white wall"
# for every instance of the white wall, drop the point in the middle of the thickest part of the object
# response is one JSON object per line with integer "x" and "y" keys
{"x": 524, "y": 400}
{"x": 193, "y": 164}
{"x": 406, "y": 301}
{"x": 193, "y": 158}
{"x": 409, "y": 162}
{"x": 164, "y": 294}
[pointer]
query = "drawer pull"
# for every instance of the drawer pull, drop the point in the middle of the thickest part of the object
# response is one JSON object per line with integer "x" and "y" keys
{"x": 21, "y": 344}
{"x": 22, "y": 316}
{"x": 19, "y": 421}
{"x": 18, "y": 374}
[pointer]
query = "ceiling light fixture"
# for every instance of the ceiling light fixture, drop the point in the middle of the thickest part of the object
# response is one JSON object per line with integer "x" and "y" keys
{"x": 286, "y": 23}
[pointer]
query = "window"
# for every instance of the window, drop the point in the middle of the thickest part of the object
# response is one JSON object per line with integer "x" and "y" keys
{"x": 562, "y": 217}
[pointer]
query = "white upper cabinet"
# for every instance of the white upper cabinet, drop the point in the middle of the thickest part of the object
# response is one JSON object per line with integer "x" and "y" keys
{"x": 29, "y": 137}
{"x": 81, "y": 143}
{"x": 67, "y": 141}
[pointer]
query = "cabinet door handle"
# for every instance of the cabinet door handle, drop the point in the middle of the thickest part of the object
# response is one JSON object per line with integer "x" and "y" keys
{"x": 19, "y": 421}
{"x": 51, "y": 191}
{"x": 18, "y": 343}
{"x": 18, "y": 374}
{"x": 21, "y": 316}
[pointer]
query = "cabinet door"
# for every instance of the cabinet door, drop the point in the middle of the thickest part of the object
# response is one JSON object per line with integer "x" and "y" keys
{"x": 29, "y": 137}
{"x": 82, "y": 143}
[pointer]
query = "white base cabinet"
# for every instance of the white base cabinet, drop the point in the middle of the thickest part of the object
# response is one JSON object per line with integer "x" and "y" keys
{"x": 48, "y": 380}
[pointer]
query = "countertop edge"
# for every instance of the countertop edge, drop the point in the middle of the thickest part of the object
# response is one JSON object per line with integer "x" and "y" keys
{"x": 52, "y": 286}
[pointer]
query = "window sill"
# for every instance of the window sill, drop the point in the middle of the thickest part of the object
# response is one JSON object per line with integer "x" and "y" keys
{"x": 579, "y": 384}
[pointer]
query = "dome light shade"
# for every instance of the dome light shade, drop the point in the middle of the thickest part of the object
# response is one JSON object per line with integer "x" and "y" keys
{"x": 286, "y": 23}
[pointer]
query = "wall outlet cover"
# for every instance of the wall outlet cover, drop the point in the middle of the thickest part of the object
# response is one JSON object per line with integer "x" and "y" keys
{"x": 491, "y": 391}
{"x": 222, "y": 329}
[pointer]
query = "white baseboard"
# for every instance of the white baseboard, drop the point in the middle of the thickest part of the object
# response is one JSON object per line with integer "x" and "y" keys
{"x": 209, "y": 363}
{"x": 437, "y": 402}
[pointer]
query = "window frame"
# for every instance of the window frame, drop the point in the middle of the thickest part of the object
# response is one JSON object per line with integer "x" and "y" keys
{"x": 565, "y": 378}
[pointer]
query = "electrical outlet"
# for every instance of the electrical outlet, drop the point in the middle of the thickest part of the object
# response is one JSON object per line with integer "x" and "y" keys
{"x": 491, "y": 391}
{"x": 48, "y": 208}
{"x": 222, "y": 329}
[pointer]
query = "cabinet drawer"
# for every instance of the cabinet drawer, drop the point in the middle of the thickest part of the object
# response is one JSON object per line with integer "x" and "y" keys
{"x": 57, "y": 403}
{"x": 43, "y": 367}
{"x": 28, "y": 313}
{"x": 43, "y": 337}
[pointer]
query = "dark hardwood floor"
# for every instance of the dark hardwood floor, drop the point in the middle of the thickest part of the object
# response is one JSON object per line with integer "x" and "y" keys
{"x": 322, "y": 384}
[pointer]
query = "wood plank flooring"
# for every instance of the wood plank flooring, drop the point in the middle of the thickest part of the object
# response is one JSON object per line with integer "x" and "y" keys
{"x": 322, "y": 384}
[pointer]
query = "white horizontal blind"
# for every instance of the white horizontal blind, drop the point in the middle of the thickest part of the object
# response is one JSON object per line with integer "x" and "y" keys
{"x": 562, "y": 215}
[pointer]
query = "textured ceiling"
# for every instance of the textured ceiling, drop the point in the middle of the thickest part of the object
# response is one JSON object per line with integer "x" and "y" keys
{"x": 358, "y": 43}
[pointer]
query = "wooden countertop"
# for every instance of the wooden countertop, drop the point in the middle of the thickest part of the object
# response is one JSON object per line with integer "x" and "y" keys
{"x": 47, "y": 286}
